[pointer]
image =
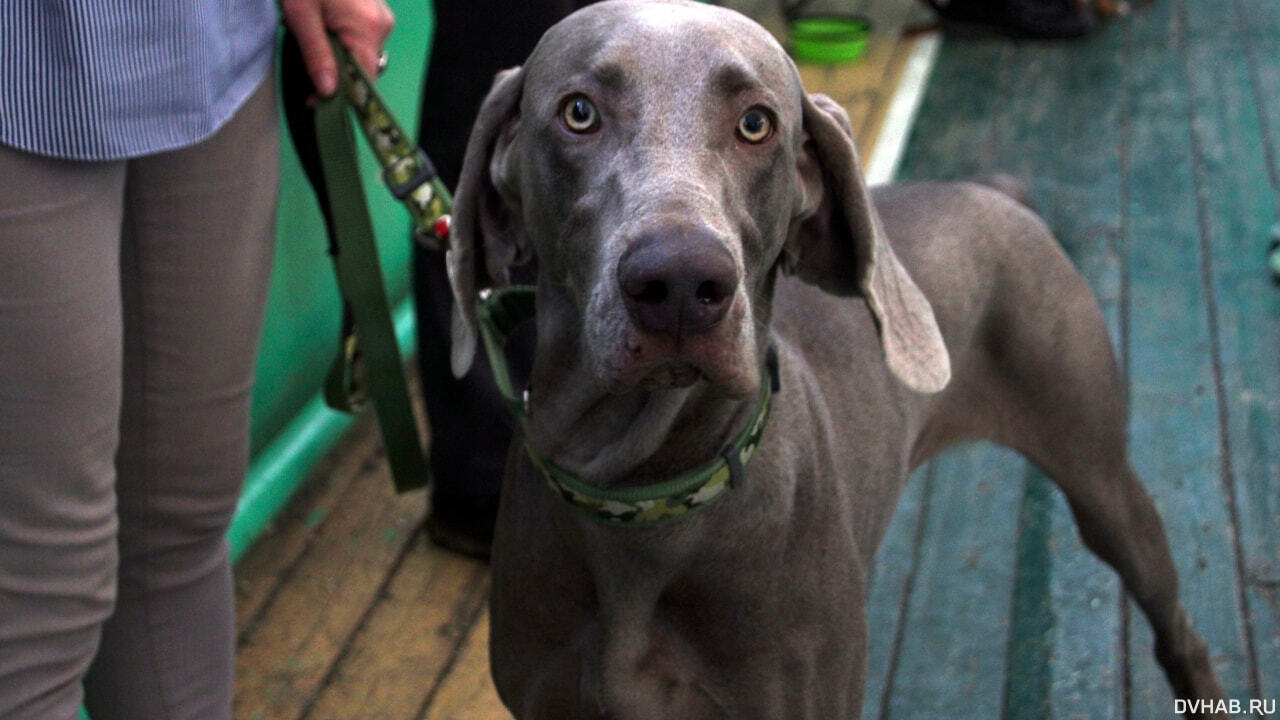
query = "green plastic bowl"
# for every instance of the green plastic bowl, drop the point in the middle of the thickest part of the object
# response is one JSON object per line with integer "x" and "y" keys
{"x": 829, "y": 39}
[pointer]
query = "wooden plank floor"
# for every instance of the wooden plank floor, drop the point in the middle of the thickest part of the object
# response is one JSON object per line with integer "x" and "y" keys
{"x": 1151, "y": 149}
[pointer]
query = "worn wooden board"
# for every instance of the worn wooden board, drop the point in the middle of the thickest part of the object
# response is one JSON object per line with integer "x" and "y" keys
{"x": 1177, "y": 436}
{"x": 1028, "y": 679}
{"x": 1259, "y": 20}
{"x": 953, "y": 136}
{"x": 1255, "y": 411}
{"x": 1238, "y": 212}
{"x": 952, "y": 657}
{"x": 1069, "y": 142}
{"x": 902, "y": 634}
{"x": 468, "y": 693}
{"x": 1112, "y": 205}
{"x": 949, "y": 648}
{"x": 1253, "y": 392}
{"x": 287, "y": 653}
{"x": 1086, "y": 662}
{"x": 392, "y": 665}
{"x": 1058, "y": 660}
{"x": 268, "y": 565}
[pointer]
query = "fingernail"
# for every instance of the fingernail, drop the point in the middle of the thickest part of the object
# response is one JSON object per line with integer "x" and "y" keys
{"x": 328, "y": 82}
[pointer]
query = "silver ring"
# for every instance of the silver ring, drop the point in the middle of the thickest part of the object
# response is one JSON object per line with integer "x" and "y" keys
{"x": 382, "y": 62}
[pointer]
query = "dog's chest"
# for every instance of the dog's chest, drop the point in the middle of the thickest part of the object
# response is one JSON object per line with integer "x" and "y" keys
{"x": 746, "y": 628}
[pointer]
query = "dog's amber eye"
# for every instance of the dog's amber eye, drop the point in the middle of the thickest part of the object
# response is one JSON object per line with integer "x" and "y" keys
{"x": 580, "y": 115}
{"x": 755, "y": 126}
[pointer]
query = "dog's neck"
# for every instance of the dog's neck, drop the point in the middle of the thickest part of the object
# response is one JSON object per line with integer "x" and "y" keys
{"x": 616, "y": 439}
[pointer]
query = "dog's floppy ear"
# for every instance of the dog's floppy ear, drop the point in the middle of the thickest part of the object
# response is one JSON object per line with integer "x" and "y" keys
{"x": 486, "y": 213}
{"x": 839, "y": 245}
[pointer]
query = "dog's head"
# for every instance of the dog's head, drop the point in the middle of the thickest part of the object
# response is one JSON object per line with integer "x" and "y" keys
{"x": 664, "y": 163}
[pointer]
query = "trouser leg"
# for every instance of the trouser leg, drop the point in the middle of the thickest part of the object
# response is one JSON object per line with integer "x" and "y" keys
{"x": 470, "y": 425}
{"x": 59, "y": 408}
{"x": 199, "y": 230}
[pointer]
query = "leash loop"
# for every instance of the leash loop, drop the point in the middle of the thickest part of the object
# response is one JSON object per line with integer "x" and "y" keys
{"x": 368, "y": 369}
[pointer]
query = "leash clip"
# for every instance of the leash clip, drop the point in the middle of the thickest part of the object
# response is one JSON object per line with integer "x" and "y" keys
{"x": 416, "y": 163}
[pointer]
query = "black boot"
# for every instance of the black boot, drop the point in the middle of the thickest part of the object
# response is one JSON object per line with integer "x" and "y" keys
{"x": 1026, "y": 18}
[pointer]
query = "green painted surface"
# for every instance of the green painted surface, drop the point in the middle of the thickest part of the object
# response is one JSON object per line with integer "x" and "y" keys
{"x": 1253, "y": 389}
{"x": 1078, "y": 190}
{"x": 1083, "y": 646}
{"x": 1175, "y": 428}
{"x": 1066, "y": 143}
{"x": 1017, "y": 126}
{"x": 1239, "y": 212}
{"x": 952, "y": 658}
{"x": 1254, "y": 410}
{"x": 1150, "y": 148}
{"x": 1028, "y": 682}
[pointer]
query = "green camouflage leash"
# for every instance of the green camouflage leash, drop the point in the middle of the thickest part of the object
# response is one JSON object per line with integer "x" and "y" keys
{"x": 406, "y": 170}
{"x": 412, "y": 179}
{"x": 499, "y": 312}
{"x": 369, "y": 369}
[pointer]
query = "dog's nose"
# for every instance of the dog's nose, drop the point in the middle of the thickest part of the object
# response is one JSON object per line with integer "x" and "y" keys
{"x": 680, "y": 281}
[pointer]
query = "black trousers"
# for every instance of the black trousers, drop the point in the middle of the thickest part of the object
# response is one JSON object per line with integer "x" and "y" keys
{"x": 470, "y": 426}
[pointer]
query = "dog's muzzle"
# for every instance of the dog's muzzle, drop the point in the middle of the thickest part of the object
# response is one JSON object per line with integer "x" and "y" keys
{"x": 677, "y": 282}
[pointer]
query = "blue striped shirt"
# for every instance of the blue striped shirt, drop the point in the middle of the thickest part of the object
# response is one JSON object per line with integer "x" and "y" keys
{"x": 111, "y": 79}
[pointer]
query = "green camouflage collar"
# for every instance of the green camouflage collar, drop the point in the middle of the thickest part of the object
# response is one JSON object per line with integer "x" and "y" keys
{"x": 499, "y": 312}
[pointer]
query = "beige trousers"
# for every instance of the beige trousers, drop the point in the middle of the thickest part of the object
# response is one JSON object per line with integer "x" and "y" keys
{"x": 131, "y": 298}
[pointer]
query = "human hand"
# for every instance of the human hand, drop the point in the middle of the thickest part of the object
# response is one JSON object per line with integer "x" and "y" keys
{"x": 361, "y": 25}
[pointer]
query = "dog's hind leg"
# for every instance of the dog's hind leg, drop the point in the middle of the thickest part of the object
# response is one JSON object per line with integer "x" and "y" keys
{"x": 1118, "y": 522}
{"x": 1065, "y": 406}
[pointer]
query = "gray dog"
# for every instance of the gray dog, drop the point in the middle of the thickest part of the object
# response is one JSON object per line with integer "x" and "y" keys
{"x": 742, "y": 353}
